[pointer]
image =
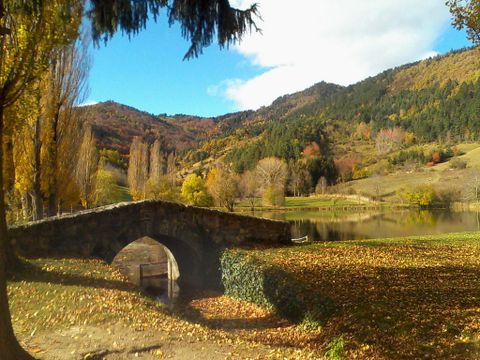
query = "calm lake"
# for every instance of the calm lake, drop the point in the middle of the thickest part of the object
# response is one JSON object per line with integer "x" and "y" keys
{"x": 331, "y": 226}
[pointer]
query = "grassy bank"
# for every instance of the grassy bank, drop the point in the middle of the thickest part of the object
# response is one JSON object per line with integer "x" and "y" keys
{"x": 416, "y": 297}
{"x": 388, "y": 298}
{"x": 322, "y": 202}
{"x": 443, "y": 177}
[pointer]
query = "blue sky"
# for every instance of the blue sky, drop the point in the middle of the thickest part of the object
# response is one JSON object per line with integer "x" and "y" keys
{"x": 147, "y": 72}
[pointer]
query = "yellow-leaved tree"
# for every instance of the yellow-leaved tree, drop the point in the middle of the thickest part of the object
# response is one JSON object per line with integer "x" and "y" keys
{"x": 30, "y": 30}
{"x": 222, "y": 183}
{"x": 194, "y": 191}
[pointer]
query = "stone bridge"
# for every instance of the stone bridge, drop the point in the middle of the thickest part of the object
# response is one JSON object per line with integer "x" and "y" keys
{"x": 194, "y": 236}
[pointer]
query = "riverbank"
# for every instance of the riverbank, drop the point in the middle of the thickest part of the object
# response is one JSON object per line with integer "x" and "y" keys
{"x": 321, "y": 203}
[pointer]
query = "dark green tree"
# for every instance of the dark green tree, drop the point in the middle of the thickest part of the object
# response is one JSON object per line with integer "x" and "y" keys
{"x": 200, "y": 20}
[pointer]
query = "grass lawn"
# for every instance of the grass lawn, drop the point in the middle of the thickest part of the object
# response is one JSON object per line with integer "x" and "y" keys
{"x": 396, "y": 298}
{"x": 441, "y": 176}
{"x": 318, "y": 201}
{"x": 305, "y": 202}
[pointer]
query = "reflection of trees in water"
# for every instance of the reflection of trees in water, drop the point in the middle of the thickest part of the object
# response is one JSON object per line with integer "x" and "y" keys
{"x": 421, "y": 217}
{"x": 405, "y": 223}
{"x": 323, "y": 231}
{"x": 332, "y": 226}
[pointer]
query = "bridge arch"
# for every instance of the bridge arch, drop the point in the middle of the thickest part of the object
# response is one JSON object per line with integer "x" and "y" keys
{"x": 183, "y": 261}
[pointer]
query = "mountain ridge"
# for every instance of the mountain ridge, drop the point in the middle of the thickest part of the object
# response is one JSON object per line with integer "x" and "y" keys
{"x": 403, "y": 96}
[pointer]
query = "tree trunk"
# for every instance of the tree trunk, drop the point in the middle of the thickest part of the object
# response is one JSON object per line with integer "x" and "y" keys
{"x": 37, "y": 203}
{"x": 53, "y": 206}
{"x": 26, "y": 206}
{"x": 10, "y": 349}
{"x": 9, "y": 260}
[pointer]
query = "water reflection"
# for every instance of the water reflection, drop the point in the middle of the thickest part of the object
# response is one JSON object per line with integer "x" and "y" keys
{"x": 333, "y": 226}
{"x": 162, "y": 289}
{"x": 149, "y": 265}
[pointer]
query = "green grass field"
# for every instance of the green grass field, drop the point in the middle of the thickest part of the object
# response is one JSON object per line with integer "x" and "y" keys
{"x": 309, "y": 202}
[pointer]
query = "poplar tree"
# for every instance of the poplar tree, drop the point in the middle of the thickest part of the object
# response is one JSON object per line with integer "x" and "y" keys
{"x": 87, "y": 164}
{"x": 157, "y": 162}
{"x": 138, "y": 168}
{"x": 65, "y": 87}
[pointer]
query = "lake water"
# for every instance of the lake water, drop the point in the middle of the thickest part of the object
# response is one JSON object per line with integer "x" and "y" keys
{"x": 332, "y": 226}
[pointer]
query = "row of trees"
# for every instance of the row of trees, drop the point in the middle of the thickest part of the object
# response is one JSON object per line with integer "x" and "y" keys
{"x": 271, "y": 179}
{"x": 152, "y": 173}
{"x": 44, "y": 152}
{"x": 51, "y": 161}
{"x": 222, "y": 186}
{"x": 42, "y": 72}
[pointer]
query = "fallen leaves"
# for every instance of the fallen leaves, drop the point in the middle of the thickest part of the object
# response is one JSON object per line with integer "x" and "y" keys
{"x": 397, "y": 298}
{"x": 65, "y": 294}
{"x": 407, "y": 298}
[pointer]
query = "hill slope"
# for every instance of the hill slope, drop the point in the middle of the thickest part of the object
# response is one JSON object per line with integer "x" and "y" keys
{"x": 435, "y": 99}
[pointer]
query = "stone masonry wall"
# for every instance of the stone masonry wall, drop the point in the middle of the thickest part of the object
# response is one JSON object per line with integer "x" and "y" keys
{"x": 104, "y": 231}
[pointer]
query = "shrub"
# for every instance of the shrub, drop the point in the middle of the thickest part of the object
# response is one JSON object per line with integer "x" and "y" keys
{"x": 336, "y": 349}
{"x": 422, "y": 196}
{"x": 388, "y": 140}
{"x": 458, "y": 164}
{"x": 447, "y": 197}
{"x": 273, "y": 196}
{"x": 248, "y": 278}
{"x": 412, "y": 156}
{"x": 194, "y": 191}
{"x": 360, "y": 173}
{"x": 161, "y": 188}
{"x": 440, "y": 155}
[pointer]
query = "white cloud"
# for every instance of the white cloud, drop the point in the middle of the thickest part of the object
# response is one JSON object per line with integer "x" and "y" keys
{"x": 340, "y": 41}
{"x": 222, "y": 87}
{"x": 89, "y": 103}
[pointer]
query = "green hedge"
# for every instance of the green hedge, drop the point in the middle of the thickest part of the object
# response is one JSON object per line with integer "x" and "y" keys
{"x": 248, "y": 278}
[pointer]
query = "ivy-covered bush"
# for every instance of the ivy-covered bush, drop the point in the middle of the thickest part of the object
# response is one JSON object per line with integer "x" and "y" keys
{"x": 248, "y": 278}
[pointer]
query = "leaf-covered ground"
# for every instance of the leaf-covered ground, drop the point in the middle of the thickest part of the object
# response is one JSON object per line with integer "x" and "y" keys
{"x": 406, "y": 298}
{"x": 83, "y": 309}
{"x": 395, "y": 298}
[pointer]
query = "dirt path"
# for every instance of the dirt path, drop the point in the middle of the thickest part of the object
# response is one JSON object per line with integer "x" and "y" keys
{"x": 120, "y": 342}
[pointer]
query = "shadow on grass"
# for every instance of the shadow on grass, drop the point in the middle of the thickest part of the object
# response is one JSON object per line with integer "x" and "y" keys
{"x": 410, "y": 313}
{"x": 31, "y": 272}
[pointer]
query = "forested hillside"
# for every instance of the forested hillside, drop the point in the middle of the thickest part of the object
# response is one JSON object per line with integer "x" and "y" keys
{"x": 115, "y": 126}
{"x": 435, "y": 100}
